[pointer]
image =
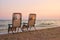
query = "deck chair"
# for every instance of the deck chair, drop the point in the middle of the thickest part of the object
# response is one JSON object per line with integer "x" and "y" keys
{"x": 31, "y": 22}
{"x": 16, "y": 22}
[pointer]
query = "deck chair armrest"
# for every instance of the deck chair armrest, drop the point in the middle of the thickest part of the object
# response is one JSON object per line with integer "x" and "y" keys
{"x": 10, "y": 25}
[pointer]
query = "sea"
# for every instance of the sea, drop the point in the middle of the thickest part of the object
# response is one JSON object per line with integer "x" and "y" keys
{"x": 39, "y": 24}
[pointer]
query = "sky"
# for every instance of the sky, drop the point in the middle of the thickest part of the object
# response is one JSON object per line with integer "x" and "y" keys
{"x": 44, "y": 9}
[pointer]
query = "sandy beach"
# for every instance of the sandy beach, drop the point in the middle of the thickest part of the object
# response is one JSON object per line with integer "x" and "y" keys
{"x": 43, "y": 34}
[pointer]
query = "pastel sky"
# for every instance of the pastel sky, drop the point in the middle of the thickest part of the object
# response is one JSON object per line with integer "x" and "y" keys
{"x": 45, "y": 9}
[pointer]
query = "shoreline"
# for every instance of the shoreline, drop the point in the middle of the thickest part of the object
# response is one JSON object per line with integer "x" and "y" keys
{"x": 43, "y": 34}
{"x": 5, "y": 31}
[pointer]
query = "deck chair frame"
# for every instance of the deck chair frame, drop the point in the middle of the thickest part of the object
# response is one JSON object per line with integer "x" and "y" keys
{"x": 14, "y": 28}
{"x": 28, "y": 25}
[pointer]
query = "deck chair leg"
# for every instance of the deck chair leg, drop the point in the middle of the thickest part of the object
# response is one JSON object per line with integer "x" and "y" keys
{"x": 30, "y": 28}
{"x": 35, "y": 28}
{"x": 27, "y": 29}
{"x": 18, "y": 30}
{"x": 22, "y": 30}
{"x": 15, "y": 29}
{"x": 12, "y": 29}
{"x": 8, "y": 30}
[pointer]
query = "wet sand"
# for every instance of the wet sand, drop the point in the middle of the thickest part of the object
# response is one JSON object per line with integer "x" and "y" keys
{"x": 42, "y": 34}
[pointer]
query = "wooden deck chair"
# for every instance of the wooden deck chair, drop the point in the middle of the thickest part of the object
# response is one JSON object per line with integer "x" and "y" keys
{"x": 16, "y": 22}
{"x": 31, "y": 22}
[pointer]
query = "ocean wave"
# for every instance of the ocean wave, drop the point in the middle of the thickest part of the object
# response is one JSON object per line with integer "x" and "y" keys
{"x": 2, "y": 25}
